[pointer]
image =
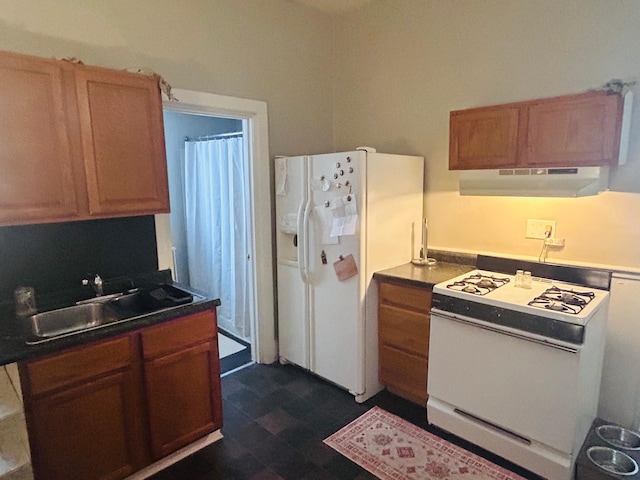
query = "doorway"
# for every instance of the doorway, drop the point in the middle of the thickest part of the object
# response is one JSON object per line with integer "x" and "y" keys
{"x": 228, "y": 113}
{"x": 210, "y": 224}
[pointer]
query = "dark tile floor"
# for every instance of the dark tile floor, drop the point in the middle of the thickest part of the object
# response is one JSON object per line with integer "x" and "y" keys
{"x": 275, "y": 419}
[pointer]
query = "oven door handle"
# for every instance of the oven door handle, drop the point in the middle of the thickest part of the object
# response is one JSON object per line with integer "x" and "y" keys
{"x": 502, "y": 331}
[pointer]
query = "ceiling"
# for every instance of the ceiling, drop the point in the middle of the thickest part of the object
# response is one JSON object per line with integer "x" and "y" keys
{"x": 334, "y": 7}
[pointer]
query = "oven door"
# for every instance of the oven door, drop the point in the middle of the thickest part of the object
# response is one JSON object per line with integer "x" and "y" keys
{"x": 515, "y": 381}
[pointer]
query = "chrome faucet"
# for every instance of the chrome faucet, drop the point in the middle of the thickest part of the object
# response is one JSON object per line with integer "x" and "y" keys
{"x": 96, "y": 284}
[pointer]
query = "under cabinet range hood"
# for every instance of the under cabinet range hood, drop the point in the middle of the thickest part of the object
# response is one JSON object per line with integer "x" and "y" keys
{"x": 535, "y": 182}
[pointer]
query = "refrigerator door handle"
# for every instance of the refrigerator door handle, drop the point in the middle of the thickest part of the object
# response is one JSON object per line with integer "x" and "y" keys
{"x": 302, "y": 239}
{"x": 305, "y": 227}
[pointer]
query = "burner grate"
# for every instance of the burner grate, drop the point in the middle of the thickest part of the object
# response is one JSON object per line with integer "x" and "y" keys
{"x": 563, "y": 300}
{"x": 478, "y": 284}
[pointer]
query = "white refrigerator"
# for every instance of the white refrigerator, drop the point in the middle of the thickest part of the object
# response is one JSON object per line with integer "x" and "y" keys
{"x": 341, "y": 217}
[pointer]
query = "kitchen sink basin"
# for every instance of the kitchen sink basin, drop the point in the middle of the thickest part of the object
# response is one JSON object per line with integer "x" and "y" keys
{"x": 103, "y": 311}
{"x": 71, "y": 319}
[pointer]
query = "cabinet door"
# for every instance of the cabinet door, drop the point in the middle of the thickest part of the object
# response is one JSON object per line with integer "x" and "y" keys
{"x": 404, "y": 374}
{"x": 36, "y": 149}
{"x": 123, "y": 142}
{"x": 580, "y": 130}
{"x": 404, "y": 330}
{"x": 89, "y": 432}
{"x": 484, "y": 138}
{"x": 183, "y": 397}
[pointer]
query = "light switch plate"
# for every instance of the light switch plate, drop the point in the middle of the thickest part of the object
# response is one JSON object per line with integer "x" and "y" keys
{"x": 537, "y": 228}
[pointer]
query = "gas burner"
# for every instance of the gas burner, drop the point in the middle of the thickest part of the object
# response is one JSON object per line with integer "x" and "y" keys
{"x": 478, "y": 284}
{"x": 570, "y": 293}
{"x": 555, "y": 305}
{"x": 562, "y": 300}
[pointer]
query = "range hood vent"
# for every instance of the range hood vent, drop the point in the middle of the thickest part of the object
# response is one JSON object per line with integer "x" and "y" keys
{"x": 535, "y": 182}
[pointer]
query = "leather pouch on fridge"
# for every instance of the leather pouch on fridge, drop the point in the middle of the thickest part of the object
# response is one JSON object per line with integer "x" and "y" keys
{"x": 345, "y": 267}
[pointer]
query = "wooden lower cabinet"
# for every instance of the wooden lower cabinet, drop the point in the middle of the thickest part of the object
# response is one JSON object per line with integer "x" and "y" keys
{"x": 404, "y": 374}
{"x": 92, "y": 431}
{"x": 103, "y": 411}
{"x": 183, "y": 386}
{"x": 403, "y": 339}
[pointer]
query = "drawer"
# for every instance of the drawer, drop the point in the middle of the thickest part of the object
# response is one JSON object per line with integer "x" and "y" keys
{"x": 178, "y": 334}
{"x": 414, "y": 298}
{"x": 79, "y": 364}
{"x": 403, "y": 371}
{"x": 404, "y": 329}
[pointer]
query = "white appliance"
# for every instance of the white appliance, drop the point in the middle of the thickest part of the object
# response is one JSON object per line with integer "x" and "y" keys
{"x": 329, "y": 207}
{"x": 535, "y": 182}
{"x": 517, "y": 370}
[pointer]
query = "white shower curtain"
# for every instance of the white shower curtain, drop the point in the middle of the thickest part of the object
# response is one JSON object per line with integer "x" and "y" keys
{"x": 217, "y": 237}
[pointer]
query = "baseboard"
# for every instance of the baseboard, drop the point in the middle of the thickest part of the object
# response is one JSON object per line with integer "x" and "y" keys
{"x": 175, "y": 457}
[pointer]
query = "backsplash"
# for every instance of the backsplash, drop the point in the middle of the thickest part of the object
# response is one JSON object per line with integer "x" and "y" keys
{"x": 55, "y": 257}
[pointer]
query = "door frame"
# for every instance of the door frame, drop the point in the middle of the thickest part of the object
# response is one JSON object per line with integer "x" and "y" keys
{"x": 261, "y": 293}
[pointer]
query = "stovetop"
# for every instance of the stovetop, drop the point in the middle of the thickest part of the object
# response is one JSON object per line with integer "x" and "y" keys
{"x": 546, "y": 297}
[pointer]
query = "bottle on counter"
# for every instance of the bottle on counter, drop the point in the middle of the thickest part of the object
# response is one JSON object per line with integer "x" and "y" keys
{"x": 25, "y": 301}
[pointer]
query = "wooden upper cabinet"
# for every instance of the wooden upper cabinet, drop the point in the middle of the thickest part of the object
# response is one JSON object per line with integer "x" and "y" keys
{"x": 484, "y": 138}
{"x": 569, "y": 131}
{"x": 123, "y": 142}
{"x": 36, "y": 142}
{"x": 582, "y": 130}
{"x": 78, "y": 142}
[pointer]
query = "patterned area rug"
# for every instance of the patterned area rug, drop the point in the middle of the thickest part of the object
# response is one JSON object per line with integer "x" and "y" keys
{"x": 392, "y": 448}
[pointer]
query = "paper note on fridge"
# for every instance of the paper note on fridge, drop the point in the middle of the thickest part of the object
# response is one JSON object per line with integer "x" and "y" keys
{"x": 323, "y": 222}
{"x": 345, "y": 216}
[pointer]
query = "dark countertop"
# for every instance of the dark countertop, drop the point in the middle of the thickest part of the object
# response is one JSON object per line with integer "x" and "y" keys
{"x": 14, "y": 334}
{"x": 422, "y": 276}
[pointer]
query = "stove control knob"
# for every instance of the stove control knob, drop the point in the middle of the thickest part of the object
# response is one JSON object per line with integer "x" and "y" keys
{"x": 350, "y": 169}
{"x": 341, "y": 172}
{"x": 348, "y": 159}
{"x": 337, "y": 164}
{"x": 335, "y": 175}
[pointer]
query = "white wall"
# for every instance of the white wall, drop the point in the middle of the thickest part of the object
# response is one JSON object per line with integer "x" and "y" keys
{"x": 403, "y": 65}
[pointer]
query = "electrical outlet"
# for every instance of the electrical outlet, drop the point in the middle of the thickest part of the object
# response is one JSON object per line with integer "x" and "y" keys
{"x": 538, "y": 228}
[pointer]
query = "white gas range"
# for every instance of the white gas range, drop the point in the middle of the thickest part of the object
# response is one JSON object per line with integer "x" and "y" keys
{"x": 517, "y": 370}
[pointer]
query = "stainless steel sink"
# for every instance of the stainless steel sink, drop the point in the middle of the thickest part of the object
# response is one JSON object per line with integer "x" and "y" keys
{"x": 99, "y": 312}
{"x": 71, "y": 319}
